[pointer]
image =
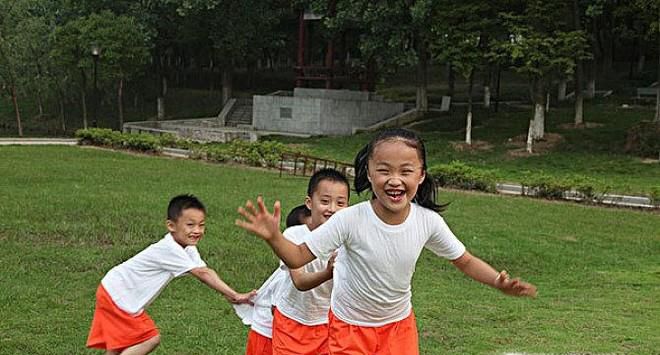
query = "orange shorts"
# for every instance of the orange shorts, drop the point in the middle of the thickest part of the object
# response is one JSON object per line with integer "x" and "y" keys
{"x": 293, "y": 338}
{"x": 258, "y": 344}
{"x": 114, "y": 329}
{"x": 391, "y": 339}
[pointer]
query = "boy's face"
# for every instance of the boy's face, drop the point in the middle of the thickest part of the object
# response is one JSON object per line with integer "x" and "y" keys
{"x": 188, "y": 229}
{"x": 328, "y": 198}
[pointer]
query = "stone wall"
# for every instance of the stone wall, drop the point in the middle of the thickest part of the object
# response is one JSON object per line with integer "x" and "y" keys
{"x": 321, "y": 111}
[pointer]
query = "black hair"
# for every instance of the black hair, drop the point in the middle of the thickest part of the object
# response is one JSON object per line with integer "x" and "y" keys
{"x": 297, "y": 216}
{"x": 426, "y": 192}
{"x": 183, "y": 202}
{"x": 330, "y": 175}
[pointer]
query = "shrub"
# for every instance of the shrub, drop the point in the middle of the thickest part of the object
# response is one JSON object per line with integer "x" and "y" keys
{"x": 545, "y": 186}
{"x": 458, "y": 175}
{"x": 644, "y": 140}
{"x": 108, "y": 138}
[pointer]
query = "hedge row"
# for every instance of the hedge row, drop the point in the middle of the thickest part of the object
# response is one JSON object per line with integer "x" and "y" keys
{"x": 536, "y": 184}
{"x": 266, "y": 153}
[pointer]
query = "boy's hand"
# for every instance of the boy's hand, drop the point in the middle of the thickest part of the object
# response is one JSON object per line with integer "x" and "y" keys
{"x": 258, "y": 220}
{"x": 514, "y": 287}
{"x": 240, "y": 298}
{"x": 331, "y": 263}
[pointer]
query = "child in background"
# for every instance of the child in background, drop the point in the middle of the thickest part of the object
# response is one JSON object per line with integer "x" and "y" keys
{"x": 300, "y": 321}
{"x": 120, "y": 324}
{"x": 381, "y": 239}
{"x": 260, "y": 315}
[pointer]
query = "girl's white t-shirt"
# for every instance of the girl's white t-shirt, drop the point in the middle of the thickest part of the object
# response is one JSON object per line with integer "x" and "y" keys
{"x": 260, "y": 315}
{"x": 305, "y": 307}
{"x": 373, "y": 274}
{"x": 135, "y": 283}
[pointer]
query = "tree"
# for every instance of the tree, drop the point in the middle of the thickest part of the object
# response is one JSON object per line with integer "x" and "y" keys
{"x": 539, "y": 47}
{"x": 462, "y": 32}
{"x": 12, "y": 58}
{"x": 652, "y": 7}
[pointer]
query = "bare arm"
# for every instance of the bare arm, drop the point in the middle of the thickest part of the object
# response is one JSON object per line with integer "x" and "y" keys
{"x": 305, "y": 281}
{"x": 481, "y": 271}
{"x": 266, "y": 226}
{"x": 211, "y": 278}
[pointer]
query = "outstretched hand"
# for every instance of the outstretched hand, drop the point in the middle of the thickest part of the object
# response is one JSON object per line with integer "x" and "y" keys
{"x": 241, "y": 298}
{"x": 514, "y": 287}
{"x": 258, "y": 220}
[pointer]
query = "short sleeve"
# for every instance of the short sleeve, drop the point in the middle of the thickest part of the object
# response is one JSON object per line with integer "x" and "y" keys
{"x": 329, "y": 236}
{"x": 179, "y": 261}
{"x": 442, "y": 240}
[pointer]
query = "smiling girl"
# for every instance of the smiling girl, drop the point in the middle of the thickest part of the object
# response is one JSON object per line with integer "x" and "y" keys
{"x": 371, "y": 310}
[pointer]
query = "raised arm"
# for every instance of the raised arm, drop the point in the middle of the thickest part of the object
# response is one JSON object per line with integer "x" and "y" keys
{"x": 211, "y": 278}
{"x": 481, "y": 271}
{"x": 266, "y": 226}
{"x": 305, "y": 281}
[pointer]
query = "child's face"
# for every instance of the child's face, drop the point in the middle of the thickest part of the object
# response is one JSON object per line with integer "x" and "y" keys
{"x": 328, "y": 198}
{"x": 395, "y": 172}
{"x": 188, "y": 229}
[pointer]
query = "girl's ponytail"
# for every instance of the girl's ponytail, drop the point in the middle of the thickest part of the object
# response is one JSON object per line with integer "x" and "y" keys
{"x": 361, "y": 182}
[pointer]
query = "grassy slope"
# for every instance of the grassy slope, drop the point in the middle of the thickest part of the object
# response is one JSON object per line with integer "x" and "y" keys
{"x": 70, "y": 214}
{"x": 594, "y": 152}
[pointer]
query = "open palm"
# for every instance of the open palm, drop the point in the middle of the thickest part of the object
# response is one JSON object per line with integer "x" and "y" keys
{"x": 258, "y": 220}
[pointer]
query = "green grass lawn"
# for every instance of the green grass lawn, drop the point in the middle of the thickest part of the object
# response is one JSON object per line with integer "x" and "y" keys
{"x": 594, "y": 152}
{"x": 69, "y": 214}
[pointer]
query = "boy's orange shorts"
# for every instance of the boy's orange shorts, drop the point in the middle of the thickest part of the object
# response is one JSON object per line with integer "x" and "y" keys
{"x": 258, "y": 344}
{"x": 397, "y": 338}
{"x": 114, "y": 329}
{"x": 293, "y": 338}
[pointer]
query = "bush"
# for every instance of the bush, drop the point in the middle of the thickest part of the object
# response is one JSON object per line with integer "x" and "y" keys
{"x": 108, "y": 138}
{"x": 458, "y": 175}
{"x": 545, "y": 186}
{"x": 644, "y": 140}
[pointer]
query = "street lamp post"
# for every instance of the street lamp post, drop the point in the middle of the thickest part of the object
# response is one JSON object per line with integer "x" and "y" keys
{"x": 96, "y": 52}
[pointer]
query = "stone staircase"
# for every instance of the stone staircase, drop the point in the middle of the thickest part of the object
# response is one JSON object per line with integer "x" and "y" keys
{"x": 241, "y": 114}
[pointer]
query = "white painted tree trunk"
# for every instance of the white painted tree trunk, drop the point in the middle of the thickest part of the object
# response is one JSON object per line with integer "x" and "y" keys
{"x": 591, "y": 88}
{"x": 561, "y": 90}
{"x": 468, "y": 128}
{"x": 538, "y": 123}
{"x": 160, "y": 103}
{"x": 487, "y": 96}
{"x": 530, "y": 139}
{"x": 579, "y": 109}
{"x": 640, "y": 63}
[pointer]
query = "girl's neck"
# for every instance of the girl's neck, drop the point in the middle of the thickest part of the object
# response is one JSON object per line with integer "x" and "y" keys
{"x": 387, "y": 216}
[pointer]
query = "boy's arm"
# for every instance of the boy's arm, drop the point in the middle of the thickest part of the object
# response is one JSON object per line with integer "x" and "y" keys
{"x": 305, "y": 281}
{"x": 267, "y": 227}
{"x": 211, "y": 278}
{"x": 481, "y": 271}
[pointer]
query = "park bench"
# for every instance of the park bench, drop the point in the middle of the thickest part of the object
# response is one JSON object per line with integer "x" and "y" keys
{"x": 646, "y": 94}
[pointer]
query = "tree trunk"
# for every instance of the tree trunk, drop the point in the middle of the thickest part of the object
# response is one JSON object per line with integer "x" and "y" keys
{"x": 657, "y": 91}
{"x": 488, "y": 80}
{"x": 17, "y": 111}
{"x": 160, "y": 100}
{"x": 530, "y": 140}
{"x": 62, "y": 114}
{"x": 640, "y": 63}
{"x": 561, "y": 90}
{"x": 40, "y": 103}
{"x": 579, "y": 72}
{"x": 591, "y": 83}
{"x": 468, "y": 125}
{"x": 83, "y": 98}
{"x": 120, "y": 103}
{"x": 451, "y": 81}
{"x": 227, "y": 85}
{"x": 537, "y": 124}
{"x": 422, "y": 99}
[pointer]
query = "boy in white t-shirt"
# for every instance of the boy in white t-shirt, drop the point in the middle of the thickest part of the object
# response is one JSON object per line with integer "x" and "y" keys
{"x": 260, "y": 315}
{"x": 300, "y": 320}
{"x": 120, "y": 324}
